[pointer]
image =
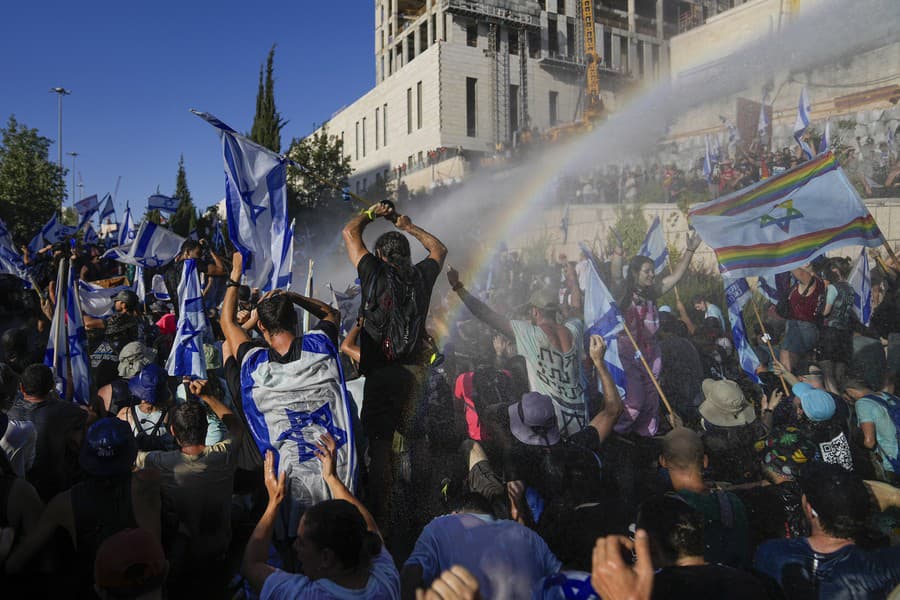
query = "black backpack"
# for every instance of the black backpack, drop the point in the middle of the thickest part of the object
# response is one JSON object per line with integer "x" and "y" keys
{"x": 395, "y": 318}
{"x": 155, "y": 439}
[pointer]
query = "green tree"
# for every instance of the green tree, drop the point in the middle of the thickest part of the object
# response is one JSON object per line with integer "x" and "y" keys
{"x": 323, "y": 160}
{"x": 31, "y": 187}
{"x": 185, "y": 218}
{"x": 267, "y": 122}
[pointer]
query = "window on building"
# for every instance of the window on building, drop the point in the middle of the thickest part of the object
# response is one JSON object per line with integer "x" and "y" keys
{"x": 570, "y": 39}
{"x": 434, "y": 28}
{"x": 384, "y": 64}
{"x": 410, "y": 48}
{"x": 639, "y": 58}
{"x": 554, "y": 100}
{"x": 607, "y": 48}
{"x": 534, "y": 44}
{"x": 512, "y": 41}
{"x": 356, "y": 142}
{"x": 384, "y": 138}
{"x": 358, "y": 186}
{"x": 364, "y": 136}
{"x": 472, "y": 34}
{"x": 561, "y": 7}
{"x": 513, "y": 108}
{"x": 655, "y": 58}
{"x": 365, "y": 183}
{"x": 497, "y": 39}
{"x": 623, "y": 54}
{"x": 409, "y": 161}
{"x": 552, "y": 36}
{"x": 444, "y": 17}
{"x": 423, "y": 37}
{"x": 471, "y": 106}
{"x": 377, "y": 128}
{"x": 420, "y": 157}
{"x": 419, "y": 105}
{"x": 409, "y": 114}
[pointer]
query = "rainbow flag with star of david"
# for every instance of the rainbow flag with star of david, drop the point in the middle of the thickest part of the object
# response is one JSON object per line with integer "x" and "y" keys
{"x": 784, "y": 222}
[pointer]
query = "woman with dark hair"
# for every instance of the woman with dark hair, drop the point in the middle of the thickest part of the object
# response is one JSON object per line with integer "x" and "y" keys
{"x": 806, "y": 300}
{"x": 640, "y": 290}
{"x": 338, "y": 544}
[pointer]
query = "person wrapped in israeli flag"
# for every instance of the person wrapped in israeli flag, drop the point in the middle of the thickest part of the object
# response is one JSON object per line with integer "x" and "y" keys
{"x": 737, "y": 294}
{"x": 292, "y": 392}
{"x": 76, "y": 339}
{"x": 256, "y": 205}
{"x": 655, "y": 248}
{"x": 153, "y": 246}
{"x": 187, "y": 358}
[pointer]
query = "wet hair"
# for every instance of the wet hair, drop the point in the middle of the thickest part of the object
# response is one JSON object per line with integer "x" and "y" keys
{"x": 189, "y": 423}
{"x": 631, "y": 286}
{"x": 394, "y": 248}
{"x": 473, "y": 502}
{"x": 683, "y": 449}
{"x": 37, "y": 380}
{"x": 277, "y": 314}
{"x": 674, "y": 527}
{"x": 839, "y": 498}
{"x": 339, "y": 526}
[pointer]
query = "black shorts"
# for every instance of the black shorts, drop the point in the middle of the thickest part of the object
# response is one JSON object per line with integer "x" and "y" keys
{"x": 835, "y": 345}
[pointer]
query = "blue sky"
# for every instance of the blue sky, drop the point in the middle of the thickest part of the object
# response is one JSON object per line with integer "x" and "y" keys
{"x": 136, "y": 68}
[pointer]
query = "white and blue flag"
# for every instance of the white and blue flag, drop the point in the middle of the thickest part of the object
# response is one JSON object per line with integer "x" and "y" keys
{"x": 860, "y": 280}
{"x": 128, "y": 230}
{"x": 76, "y": 338}
{"x": 288, "y": 407}
{"x": 602, "y": 317}
{"x": 770, "y": 292}
{"x": 286, "y": 273}
{"x": 51, "y": 233}
{"x": 654, "y": 246}
{"x": 256, "y": 205}
{"x": 707, "y": 163}
{"x": 187, "y": 358}
{"x": 737, "y": 294}
{"x": 218, "y": 238}
{"x": 90, "y": 236}
{"x": 108, "y": 212}
{"x": 56, "y": 355}
{"x": 158, "y": 288}
{"x": 564, "y": 223}
{"x": 825, "y": 142}
{"x": 88, "y": 205}
{"x": 308, "y": 292}
{"x": 734, "y": 134}
{"x": 139, "y": 285}
{"x": 10, "y": 260}
{"x": 762, "y": 124}
{"x": 96, "y": 300}
{"x": 153, "y": 246}
{"x": 162, "y": 203}
{"x": 801, "y": 124}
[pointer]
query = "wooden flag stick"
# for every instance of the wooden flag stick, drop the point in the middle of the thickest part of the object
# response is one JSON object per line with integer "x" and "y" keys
{"x": 762, "y": 327}
{"x": 662, "y": 395}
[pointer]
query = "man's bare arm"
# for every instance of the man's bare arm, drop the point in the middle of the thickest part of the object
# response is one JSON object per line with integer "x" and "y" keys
{"x": 436, "y": 249}
{"x": 482, "y": 311}
{"x": 234, "y": 334}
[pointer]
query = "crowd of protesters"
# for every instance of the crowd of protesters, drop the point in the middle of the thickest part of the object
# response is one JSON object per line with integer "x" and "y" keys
{"x": 499, "y": 459}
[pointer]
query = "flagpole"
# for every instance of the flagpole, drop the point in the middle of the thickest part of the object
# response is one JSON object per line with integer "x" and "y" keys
{"x": 762, "y": 327}
{"x": 662, "y": 395}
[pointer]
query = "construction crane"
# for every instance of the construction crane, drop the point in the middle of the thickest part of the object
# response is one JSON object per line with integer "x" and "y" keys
{"x": 593, "y": 105}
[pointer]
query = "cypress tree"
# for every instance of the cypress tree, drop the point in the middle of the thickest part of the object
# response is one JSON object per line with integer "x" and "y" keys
{"x": 267, "y": 122}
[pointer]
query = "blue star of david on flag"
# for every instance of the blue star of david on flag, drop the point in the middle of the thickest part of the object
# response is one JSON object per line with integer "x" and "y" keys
{"x": 301, "y": 420}
{"x": 187, "y": 357}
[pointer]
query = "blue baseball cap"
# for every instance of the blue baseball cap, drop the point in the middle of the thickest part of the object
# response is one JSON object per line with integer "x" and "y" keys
{"x": 145, "y": 384}
{"x": 817, "y": 404}
{"x": 109, "y": 448}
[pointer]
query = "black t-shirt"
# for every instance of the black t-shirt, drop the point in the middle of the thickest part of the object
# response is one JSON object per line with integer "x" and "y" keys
{"x": 707, "y": 581}
{"x": 370, "y": 267}
{"x": 293, "y": 353}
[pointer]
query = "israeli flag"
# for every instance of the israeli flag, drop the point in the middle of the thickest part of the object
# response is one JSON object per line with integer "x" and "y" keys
{"x": 153, "y": 246}
{"x": 187, "y": 358}
{"x": 96, "y": 300}
{"x": 162, "y": 203}
{"x": 56, "y": 355}
{"x": 762, "y": 124}
{"x": 654, "y": 247}
{"x": 76, "y": 338}
{"x": 802, "y": 123}
{"x": 10, "y": 260}
{"x": 564, "y": 223}
{"x": 717, "y": 151}
{"x": 308, "y": 292}
{"x": 218, "y": 238}
{"x": 87, "y": 205}
{"x": 348, "y": 303}
{"x": 737, "y": 293}
{"x": 140, "y": 288}
{"x": 128, "y": 230}
{"x": 769, "y": 291}
{"x": 825, "y": 142}
{"x": 90, "y": 236}
{"x": 288, "y": 406}
{"x": 51, "y": 233}
{"x": 158, "y": 288}
{"x": 256, "y": 205}
{"x": 286, "y": 274}
{"x": 601, "y": 317}
{"x": 734, "y": 134}
{"x": 108, "y": 212}
{"x": 707, "y": 163}
{"x": 860, "y": 280}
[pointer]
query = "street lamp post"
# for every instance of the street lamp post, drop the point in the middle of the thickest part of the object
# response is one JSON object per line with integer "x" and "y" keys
{"x": 60, "y": 92}
{"x": 73, "y": 155}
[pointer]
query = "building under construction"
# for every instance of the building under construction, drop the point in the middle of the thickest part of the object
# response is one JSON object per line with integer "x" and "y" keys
{"x": 466, "y": 77}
